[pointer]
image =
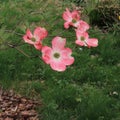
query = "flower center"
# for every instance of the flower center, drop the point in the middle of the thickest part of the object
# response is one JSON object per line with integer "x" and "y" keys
{"x": 82, "y": 38}
{"x": 33, "y": 39}
{"x": 73, "y": 21}
{"x": 56, "y": 55}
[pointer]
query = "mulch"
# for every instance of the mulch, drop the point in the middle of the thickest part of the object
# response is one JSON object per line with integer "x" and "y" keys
{"x": 16, "y": 107}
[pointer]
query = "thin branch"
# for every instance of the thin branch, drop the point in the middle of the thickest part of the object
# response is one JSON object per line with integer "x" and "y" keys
{"x": 21, "y": 51}
{"x": 10, "y": 31}
{"x": 12, "y": 46}
{"x": 6, "y": 44}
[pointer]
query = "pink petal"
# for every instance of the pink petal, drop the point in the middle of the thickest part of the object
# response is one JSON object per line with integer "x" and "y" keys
{"x": 66, "y": 25}
{"x": 38, "y": 46}
{"x": 58, "y": 43}
{"x": 67, "y": 16}
{"x": 79, "y": 42}
{"x": 40, "y": 33}
{"x": 58, "y": 66}
{"x": 75, "y": 15}
{"x": 27, "y": 40}
{"x": 83, "y": 26}
{"x": 29, "y": 34}
{"x": 67, "y": 59}
{"x": 92, "y": 42}
{"x": 27, "y": 37}
{"x": 46, "y": 54}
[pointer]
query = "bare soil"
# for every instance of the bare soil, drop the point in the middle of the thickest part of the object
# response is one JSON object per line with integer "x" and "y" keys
{"x": 16, "y": 107}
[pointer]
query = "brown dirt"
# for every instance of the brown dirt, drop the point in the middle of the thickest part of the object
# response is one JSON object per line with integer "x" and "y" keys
{"x": 16, "y": 107}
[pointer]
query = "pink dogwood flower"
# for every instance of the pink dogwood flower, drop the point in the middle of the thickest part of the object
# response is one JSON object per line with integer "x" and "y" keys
{"x": 35, "y": 38}
{"x": 71, "y": 18}
{"x": 58, "y": 56}
{"x": 84, "y": 40}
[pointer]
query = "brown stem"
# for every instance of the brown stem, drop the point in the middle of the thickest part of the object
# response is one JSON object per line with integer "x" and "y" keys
{"x": 12, "y": 46}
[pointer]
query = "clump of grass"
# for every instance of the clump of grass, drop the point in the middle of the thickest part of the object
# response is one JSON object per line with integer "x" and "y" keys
{"x": 105, "y": 14}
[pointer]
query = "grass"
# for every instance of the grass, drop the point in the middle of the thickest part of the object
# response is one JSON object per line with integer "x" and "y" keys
{"x": 88, "y": 90}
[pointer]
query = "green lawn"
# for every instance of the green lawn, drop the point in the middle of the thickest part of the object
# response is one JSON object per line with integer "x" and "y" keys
{"x": 87, "y": 90}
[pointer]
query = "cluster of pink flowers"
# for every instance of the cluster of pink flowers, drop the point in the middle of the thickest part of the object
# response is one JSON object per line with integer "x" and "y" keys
{"x": 58, "y": 56}
{"x": 81, "y": 27}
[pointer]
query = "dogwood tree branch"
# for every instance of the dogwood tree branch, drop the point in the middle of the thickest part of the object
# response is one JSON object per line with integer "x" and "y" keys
{"x": 21, "y": 51}
{"x": 18, "y": 49}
